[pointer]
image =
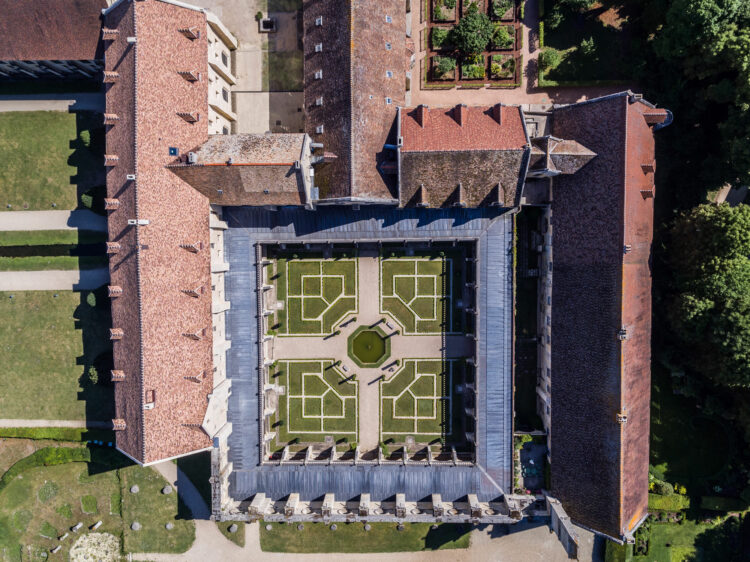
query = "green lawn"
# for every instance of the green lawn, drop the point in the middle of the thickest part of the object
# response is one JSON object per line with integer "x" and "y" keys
{"x": 237, "y": 538}
{"x": 48, "y": 343}
{"x": 680, "y": 539}
{"x": 198, "y": 469}
{"x": 50, "y": 237}
{"x": 282, "y": 71}
{"x": 352, "y": 537}
{"x": 44, "y": 263}
{"x": 610, "y": 59}
{"x": 153, "y": 510}
{"x": 43, "y": 160}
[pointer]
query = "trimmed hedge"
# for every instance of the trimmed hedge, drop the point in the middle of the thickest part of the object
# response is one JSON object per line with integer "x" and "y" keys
{"x": 721, "y": 503}
{"x": 57, "y": 433}
{"x": 541, "y": 35}
{"x": 48, "y": 456}
{"x": 675, "y": 502}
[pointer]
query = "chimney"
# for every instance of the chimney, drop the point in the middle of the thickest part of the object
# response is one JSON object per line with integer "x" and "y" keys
{"x": 422, "y": 200}
{"x": 118, "y": 424}
{"x": 110, "y": 76}
{"x": 497, "y": 113}
{"x": 647, "y": 193}
{"x": 110, "y": 159}
{"x": 189, "y": 117}
{"x": 109, "y": 34}
{"x": 114, "y": 291}
{"x": 111, "y": 204}
{"x": 113, "y": 247}
{"x": 655, "y": 116}
{"x": 190, "y": 75}
{"x": 190, "y": 32}
{"x": 110, "y": 118}
{"x": 117, "y": 375}
{"x": 116, "y": 333}
{"x": 423, "y": 115}
{"x": 649, "y": 167}
{"x": 460, "y": 114}
{"x": 193, "y": 248}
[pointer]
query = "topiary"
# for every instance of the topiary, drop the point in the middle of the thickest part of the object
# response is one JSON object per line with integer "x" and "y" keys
{"x": 93, "y": 375}
{"x": 91, "y": 299}
{"x": 85, "y": 138}
{"x": 663, "y": 488}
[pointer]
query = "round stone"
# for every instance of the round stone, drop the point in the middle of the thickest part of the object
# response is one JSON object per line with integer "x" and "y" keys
{"x": 367, "y": 527}
{"x": 135, "y": 526}
{"x": 134, "y": 489}
{"x": 300, "y": 527}
{"x": 166, "y": 490}
{"x": 232, "y": 528}
{"x": 333, "y": 527}
{"x": 400, "y": 527}
{"x": 169, "y": 526}
{"x": 269, "y": 527}
{"x": 434, "y": 527}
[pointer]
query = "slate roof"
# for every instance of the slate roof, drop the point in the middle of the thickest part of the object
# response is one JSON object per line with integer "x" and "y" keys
{"x": 167, "y": 333}
{"x": 51, "y": 30}
{"x": 600, "y": 466}
{"x": 359, "y": 47}
{"x": 482, "y": 149}
{"x": 262, "y": 170}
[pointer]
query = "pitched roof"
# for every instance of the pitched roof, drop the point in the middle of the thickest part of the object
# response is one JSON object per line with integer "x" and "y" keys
{"x": 473, "y": 156}
{"x": 245, "y": 169}
{"x": 358, "y": 76}
{"x": 59, "y": 30}
{"x": 599, "y": 465}
{"x": 167, "y": 334}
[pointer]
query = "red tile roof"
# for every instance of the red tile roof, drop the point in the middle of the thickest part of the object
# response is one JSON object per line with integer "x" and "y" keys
{"x": 50, "y": 30}
{"x": 151, "y": 267}
{"x": 462, "y": 128}
{"x": 601, "y": 284}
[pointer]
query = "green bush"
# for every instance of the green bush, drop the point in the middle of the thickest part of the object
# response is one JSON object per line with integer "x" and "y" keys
{"x": 674, "y": 502}
{"x": 588, "y": 47}
{"x": 439, "y": 37}
{"x": 473, "y": 32}
{"x": 48, "y": 491}
{"x": 85, "y": 138}
{"x": 445, "y": 65}
{"x": 47, "y": 456}
{"x": 48, "y": 531}
{"x": 499, "y": 7}
{"x": 721, "y": 503}
{"x": 258, "y": 16}
{"x": 541, "y": 35}
{"x": 502, "y": 38}
{"x": 663, "y": 488}
{"x": 93, "y": 375}
{"x": 91, "y": 299}
{"x": 472, "y": 71}
{"x": 87, "y": 200}
{"x": 555, "y": 17}
{"x": 549, "y": 58}
{"x": 65, "y": 511}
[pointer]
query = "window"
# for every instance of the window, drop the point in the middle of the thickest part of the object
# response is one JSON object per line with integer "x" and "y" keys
{"x": 150, "y": 395}
{"x": 549, "y": 299}
{"x": 389, "y": 74}
{"x": 319, "y": 129}
{"x": 388, "y": 19}
{"x": 549, "y": 373}
{"x": 388, "y": 101}
{"x": 224, "y": 58}
{"x": 319, "y": 21}
{"x": 224, "y": 131}
{"x": 387, "y": 46}
{"x": 225, "y": 94}
{"x": 319, "y": 101}
{"x": 318, "y": 74}
{"x": 318, "y": 47}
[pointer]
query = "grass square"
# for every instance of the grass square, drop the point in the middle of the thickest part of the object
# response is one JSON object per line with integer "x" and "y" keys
{"x": 88, "y": 504}
{"x": 313, "y": 307}
{"x": 405, "y": 406}
{"x": 48, "y": 531}
{"x": 424, "y": 386}
{"x": 333, "y": 405}
{"x": 425, "y": 286}
{"x": 404, "y": 288}
{"x": 313, "y": 385}
{"x": 311, "y": 407}
{"x": 425, "y": 408}
{"x": 311, "y": 286}
{"x": 332, "y": 288}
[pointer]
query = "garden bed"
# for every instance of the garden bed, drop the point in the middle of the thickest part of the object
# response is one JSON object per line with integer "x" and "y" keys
{"x": 444, "y": 10}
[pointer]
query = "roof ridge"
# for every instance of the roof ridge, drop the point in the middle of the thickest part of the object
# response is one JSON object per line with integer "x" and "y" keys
{"x": 351, "y": 96}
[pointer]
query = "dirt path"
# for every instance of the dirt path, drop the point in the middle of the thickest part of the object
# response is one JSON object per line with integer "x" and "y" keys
{"x": 52, "y": 102}
{"x": 80, "y": 219}
{"x": 54, "y": 280}
{"x": 56, "y": 423}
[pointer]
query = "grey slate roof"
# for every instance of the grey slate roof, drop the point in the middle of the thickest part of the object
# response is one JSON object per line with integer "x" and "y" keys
{"x": 491, "y": 477}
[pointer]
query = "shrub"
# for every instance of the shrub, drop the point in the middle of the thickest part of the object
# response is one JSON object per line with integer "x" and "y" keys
{"x": 473, "y": 32}
{"x": 87, "y": 200}
{"x": 663, "y": 488}
{"x": 502, "y": 38}
{"x": 450, "y": 4}
{"x": 91, "y": 299}
{"x": 588, "y": 47}
{"x": 443, "y": 66}
{"x": 555, "y": 17}
{"x": 577, "y": 5}
{"x": 65, "y": 511}
{"x": 48, "y": 491}
{"x": 439, "y": 37}
{"x": 499, "y": 7}
{"x": 48, "y": 531}
{"x": 85, "y": 138}
{"x": 668, "y": 503}
{"x": 45, "y": 457}
{"x": 549, "y": 58}
{"x": 93, "y": 375}
{"x": 258, "y": 16}
{"x": 56, "y": 433}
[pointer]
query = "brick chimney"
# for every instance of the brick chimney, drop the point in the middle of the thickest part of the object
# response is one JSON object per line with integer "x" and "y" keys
{"x": 110, "y": 118}
{"x": 190, "y": 75}
{"x": 497, "y": 113}
{"x": 117, "y": 375}
{"x": 109, "y": 34}
{"x": 110, "y": 76}
{"x": 113, "y": 247}
{"x": 116, "y": 333}
{"x": 114, "y": 291}
{"x": 190, "y": 32}
{"x": 111, "y": 159}
{"x": 460, "y": 114}
{"x": 110, "y": 204}
{"x": 655, "y": 116}
{"x": 423, "y": 115}
{"x": 118, "y": 424}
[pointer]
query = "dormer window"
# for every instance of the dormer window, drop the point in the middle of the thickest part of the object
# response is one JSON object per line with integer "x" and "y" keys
{"x": 388, "y": 19}
{"x": 319, "y": 101}
{"x": 319, "y": 21}
{"x": 388, "y": 101}
{"x": 224, "y": 58}
{"x": 389, "y": 74}
{"x": 318, "y": 74}
{"x": 387, "y": 46}
{"x": 319, "y": 129}
{"x": 319, "y": 47}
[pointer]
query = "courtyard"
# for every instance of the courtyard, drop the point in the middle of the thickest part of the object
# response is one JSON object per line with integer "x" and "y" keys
{"x": 368, "y": 346}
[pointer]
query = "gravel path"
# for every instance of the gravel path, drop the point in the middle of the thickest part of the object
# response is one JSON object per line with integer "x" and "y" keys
{"x": 56, "y": 423}
{"x": 54, "y": 280}
{"x": 52, "y": 102}
{"x": 82, "y": 219}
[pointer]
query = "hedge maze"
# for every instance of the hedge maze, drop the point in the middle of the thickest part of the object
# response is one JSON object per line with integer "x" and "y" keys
{"x": 422, "y": 293}
{"x": 319, "y": 401}
{"x": 418, "y": 401}
{"x": 316, "y": 294}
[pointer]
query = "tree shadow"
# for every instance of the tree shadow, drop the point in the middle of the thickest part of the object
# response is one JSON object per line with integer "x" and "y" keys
{"x": 88, "y": 158}
{"x": 444, "y": 534}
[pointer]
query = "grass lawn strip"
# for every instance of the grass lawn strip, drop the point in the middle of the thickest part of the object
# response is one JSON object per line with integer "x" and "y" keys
{"x": 351, "y": 537}
{"x": 66, "y": 335}
{"x": 50, "y": 237}
{"x": 237, "y": 538}
{"x": 42, "y": 263}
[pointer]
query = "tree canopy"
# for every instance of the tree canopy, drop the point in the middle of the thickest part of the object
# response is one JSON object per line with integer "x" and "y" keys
{"x": 473, "y": 32}
{"x": 710, "y": 307}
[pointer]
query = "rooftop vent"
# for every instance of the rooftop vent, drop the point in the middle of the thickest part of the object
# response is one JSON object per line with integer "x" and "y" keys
{"x": 190, "y": 32}
{"x": 388, "y": 101}
{"x": 622, "y": 334}
{"x": 190, "y": 117}
{"x": 387, "y": 46}
{"x": 319, "y": 129}
{"x": 318, "y": 47}
{"x": 389, "y": 74}
{"x": 388, "y": 19}
{"x": 319, "y": 21}
{"x": 318, "y": 74}
{"x": 319, "y": 101}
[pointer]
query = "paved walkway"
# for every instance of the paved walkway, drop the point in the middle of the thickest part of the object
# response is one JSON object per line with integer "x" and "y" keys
{"x": 54, "y": 280}
{"x": 56, "y": 423}
{"x": 52, "y": 102}
{"x": 80, "y": 219}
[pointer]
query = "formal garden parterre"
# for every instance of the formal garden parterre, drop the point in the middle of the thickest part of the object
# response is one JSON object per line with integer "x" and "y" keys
{"x": 471, "y": 43}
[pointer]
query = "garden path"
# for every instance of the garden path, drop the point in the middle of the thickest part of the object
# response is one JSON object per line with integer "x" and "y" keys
{"x": 56, "y": 423}
{"x": 81, "y": 219}
{"x": 52, "y": 102}
{"x": 54, "y": 280}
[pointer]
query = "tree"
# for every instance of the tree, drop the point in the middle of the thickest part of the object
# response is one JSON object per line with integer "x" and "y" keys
{"x": 473, "y": 32}
{"x": 549, "y": 58}
{"x": 710, "y": 307}
{"x": 588, "y": 47}
{"x": 577, "y": 5}
{"x": 445, "y": 65}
